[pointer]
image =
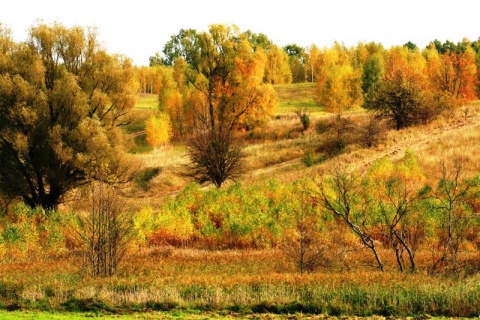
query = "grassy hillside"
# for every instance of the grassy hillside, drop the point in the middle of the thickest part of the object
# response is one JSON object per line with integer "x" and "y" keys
{"x": 292, "y": 97}
{"x": 278, "y": 147}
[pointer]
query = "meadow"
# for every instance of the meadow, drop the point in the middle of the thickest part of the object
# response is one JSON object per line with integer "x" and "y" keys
{"x": 199, "y": 252}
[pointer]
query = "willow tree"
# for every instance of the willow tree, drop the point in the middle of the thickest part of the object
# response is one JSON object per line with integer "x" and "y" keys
{"x": 226, "y": 93}
{"x": 62, "y": 100}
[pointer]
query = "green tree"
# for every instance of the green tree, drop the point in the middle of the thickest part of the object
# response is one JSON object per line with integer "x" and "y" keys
{"x": 277, "y": 70}
{"x": 184, "y": 44}
{"x": 402, "y": 96}
{"x": 372, "y": 75}
{"x": 258, "y": 40}
{"x": 297, "y": 59}
{"x": 62, "y": 100}
{"x": 342, "y": 194}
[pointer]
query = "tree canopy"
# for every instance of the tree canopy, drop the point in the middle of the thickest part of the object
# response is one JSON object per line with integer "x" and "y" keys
{"x": 62, "y": 99}
{"x": 225, "y": 92}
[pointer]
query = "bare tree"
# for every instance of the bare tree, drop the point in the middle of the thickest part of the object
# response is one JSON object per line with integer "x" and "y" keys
{"x": 341, "y": 194}
{"x": 105, "y": 231}
{"x": 372, "y": 131}
{"x": 303, "y": 245}
{"x": 452, "y": 195}
{"x": 215, "y": 156}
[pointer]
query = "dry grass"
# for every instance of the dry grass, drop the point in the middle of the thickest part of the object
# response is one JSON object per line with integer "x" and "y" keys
{"x": 244, "y": 281}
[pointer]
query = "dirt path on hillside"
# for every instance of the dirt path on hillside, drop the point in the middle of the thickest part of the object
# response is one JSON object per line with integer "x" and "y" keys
{"x": 422, "y": 140}
{"x": 417, "y": 140}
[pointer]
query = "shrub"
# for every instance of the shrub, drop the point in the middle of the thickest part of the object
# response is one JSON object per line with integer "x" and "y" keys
{"x": 144, "y": 177}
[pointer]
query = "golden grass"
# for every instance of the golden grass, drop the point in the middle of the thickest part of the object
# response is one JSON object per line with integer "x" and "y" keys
{"x": 147, "y": 101}
{"x": 257, "y": 281}
{"x": 292, "y": 98}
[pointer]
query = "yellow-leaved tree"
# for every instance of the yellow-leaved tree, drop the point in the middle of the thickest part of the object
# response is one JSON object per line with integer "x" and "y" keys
{"x": 159, "y": 130}
{"x": 338, "y": 82}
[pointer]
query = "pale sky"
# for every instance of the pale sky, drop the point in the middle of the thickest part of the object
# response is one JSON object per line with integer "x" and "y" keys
{"x": 139, "y": 28}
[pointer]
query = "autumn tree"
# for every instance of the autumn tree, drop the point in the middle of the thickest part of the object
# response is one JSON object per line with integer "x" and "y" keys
{"x": 338, "y": 82}
{"x": 397, "y": 191}
{"x": 297, "y": 58}
{"x": 453, "y": 75}
{"x": 452, "y": 195}
{"x": 225, "y": 93}
{"x": 303, "y": 244}
{"x": 159, "y": 130}
{"x": 149, "y": 79}
{"x": 277, "y": 70}
{"x": 312, "y": 63}
{"x": 341, "y": 193}
{"x": 62, "y": 100}
{"x": 403, "y": 94}
{"x": 105, "y": 231}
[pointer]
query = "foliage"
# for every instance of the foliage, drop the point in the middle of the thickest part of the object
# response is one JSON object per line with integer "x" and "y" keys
{"x": 338, "y": 82}
{"x": 297, "y": 58}
{"x": 304, "y": 117}
{"x": 403, "y": 95}
{"x": 277, "y": 70}
{"x": 28, "y": 230}
{"x": 372, "y": 75}
{"x": 398, "y": 190}
{"x": 62, "y": 98}
{"x": 453, "y": 76}
{"x": 226, "y": 93}
{"x": 159, "y": 130}
{"x": 453, "y": 194}
{"x": 303, "y": 243}
{"x": 341, "y": 194}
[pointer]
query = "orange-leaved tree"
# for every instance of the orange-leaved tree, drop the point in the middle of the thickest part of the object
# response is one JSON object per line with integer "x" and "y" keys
{"x": 225, "y": 92}
{"x": 453, "y": 76}
{"x": 403, "y": 94}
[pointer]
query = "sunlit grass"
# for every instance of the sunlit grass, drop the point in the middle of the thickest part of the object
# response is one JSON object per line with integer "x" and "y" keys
{"x": 147, "y": 101}
{"x": 298, "y": 96}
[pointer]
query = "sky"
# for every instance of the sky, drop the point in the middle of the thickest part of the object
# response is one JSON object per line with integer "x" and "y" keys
{"x": 140, "y": 28}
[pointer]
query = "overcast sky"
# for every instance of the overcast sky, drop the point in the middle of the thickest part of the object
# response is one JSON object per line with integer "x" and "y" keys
{"x": 139, "y": 28}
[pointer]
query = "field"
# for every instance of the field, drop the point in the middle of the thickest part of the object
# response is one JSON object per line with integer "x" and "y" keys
{"x": 203, "y": 253}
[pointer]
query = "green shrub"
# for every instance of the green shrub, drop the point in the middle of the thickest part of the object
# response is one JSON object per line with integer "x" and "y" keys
{"x": 144, "y": 177}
